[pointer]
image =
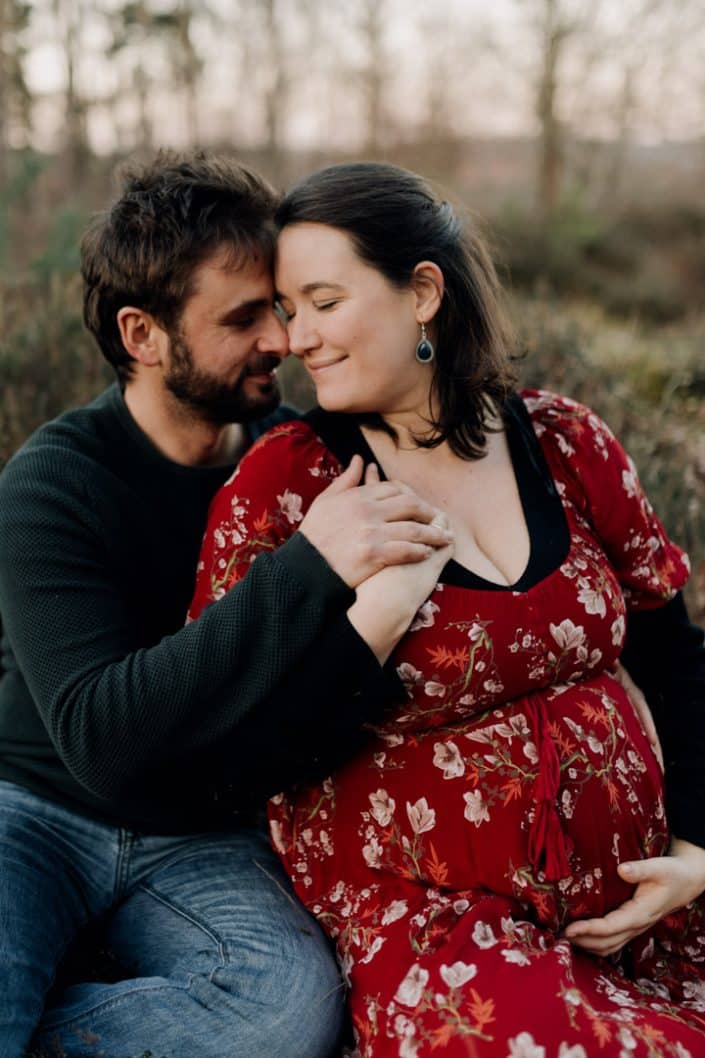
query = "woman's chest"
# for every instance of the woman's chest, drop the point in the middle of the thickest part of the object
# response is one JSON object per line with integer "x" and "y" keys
{"x": 468, "y": 650}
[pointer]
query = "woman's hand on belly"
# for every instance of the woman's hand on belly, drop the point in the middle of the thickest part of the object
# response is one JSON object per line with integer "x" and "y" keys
{"x": 663, "y": 884}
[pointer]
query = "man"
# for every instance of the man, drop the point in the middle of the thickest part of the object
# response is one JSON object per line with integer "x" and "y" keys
{"x": 134, "y": 752}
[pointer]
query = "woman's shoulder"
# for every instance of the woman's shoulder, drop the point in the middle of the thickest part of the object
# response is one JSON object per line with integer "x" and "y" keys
{"x": 572, "y": 426}
{"x": 289, "y": 452}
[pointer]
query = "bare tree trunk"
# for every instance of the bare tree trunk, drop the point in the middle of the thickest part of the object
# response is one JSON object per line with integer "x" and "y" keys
{"x": 68, "y": 15}
{"x": 276, "y": 93}
{"x": 190, "y": 69}
{"x": 373, "y": 84}
{"x": 4, "y": 88}
{"x": 551, "y": 148}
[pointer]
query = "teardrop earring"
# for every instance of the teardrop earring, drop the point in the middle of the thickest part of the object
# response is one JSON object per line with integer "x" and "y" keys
{"x": 424, "y": 350}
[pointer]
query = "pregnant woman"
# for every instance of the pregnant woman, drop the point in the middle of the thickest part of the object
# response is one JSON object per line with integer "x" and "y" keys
{"x": 499, "y": 865}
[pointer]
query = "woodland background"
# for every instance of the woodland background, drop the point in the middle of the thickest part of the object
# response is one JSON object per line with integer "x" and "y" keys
{"x": 573, "y": 129}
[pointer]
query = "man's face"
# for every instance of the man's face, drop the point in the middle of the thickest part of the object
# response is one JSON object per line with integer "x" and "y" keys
{"x": 225, "y": 349}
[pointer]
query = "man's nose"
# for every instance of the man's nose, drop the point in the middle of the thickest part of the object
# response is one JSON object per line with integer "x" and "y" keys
{"x": 276, "y": 340}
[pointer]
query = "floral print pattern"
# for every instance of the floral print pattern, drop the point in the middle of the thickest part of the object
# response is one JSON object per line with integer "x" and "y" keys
{"x": 493, "y": 805}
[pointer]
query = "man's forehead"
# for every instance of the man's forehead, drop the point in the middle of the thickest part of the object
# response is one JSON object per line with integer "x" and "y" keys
{"x": 225, "y": 273}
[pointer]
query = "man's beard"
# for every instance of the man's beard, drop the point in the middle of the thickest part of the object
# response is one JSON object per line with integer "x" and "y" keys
{"x": 211, "y": 398}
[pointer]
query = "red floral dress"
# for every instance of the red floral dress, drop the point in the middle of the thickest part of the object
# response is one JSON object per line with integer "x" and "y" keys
{"x": 494, "y": 804}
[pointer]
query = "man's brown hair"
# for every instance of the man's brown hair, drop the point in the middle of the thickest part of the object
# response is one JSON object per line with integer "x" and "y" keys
{"x": 171, "y": 215}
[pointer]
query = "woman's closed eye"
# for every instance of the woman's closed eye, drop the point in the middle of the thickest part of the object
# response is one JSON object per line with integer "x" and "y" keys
{"x": 323, "y": 305}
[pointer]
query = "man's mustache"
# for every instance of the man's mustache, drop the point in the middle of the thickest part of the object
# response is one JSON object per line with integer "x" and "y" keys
{"x": 263, "y": 365}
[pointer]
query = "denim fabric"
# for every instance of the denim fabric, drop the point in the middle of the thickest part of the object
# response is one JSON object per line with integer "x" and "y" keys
{"x": 222, "y": 961}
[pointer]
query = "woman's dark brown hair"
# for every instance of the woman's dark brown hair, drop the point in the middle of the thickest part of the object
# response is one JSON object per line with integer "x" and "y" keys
{"x": 395, "y": 221}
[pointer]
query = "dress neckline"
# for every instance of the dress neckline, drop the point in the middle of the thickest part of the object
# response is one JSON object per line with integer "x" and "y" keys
{"x": 547, "y": 525}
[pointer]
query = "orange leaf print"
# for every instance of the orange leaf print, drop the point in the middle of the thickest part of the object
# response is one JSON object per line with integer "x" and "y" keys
{"x": 654, "y": 1034}
{"x": 437, "y": 871}
{"x": 481, "y": 1009}
{"x": 512, "y": 789}
{"x": 443, "y": 1035}
{"x": 262, "y": 522}
{"x": 601, "y": 1030}
{"x": 613, "y": 793}
{"x": 443, "y": 658}
{"x": 594, "y": 715}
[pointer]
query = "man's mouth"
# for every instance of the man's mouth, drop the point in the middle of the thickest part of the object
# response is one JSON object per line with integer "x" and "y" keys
{"x": 263, "y": 369}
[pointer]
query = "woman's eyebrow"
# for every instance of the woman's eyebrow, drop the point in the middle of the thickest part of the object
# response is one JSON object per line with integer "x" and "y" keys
{"x": 320, "y": 284}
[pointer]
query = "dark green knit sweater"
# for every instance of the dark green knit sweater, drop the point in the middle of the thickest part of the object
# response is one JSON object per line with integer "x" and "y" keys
{"x": 107, "y": 703}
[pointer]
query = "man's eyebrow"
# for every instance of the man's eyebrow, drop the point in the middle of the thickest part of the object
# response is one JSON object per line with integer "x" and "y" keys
{"x": 244, "y": 309}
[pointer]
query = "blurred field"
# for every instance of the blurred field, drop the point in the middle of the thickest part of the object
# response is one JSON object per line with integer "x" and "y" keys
{"x": 608, "y": 306}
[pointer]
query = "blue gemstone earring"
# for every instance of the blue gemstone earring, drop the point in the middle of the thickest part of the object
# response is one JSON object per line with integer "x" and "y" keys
{"x": 424, "y": 350}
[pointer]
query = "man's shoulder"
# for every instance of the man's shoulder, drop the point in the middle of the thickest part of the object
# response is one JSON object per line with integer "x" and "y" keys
{"x": 69, "y": 445}
{"x": 283, "y": 413}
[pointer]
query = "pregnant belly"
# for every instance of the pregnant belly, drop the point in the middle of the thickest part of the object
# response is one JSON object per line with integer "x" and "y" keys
{"x": 467, "y": 806}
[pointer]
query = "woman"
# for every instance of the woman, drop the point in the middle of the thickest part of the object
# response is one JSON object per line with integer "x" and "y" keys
{"x": 503, "y": 801}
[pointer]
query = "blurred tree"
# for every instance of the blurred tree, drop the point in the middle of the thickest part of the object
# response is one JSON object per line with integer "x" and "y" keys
{"x": 372, "y": 28}
{"x": 186, "y": 62}
{"x": 15, "y": 99}
{"x": 133, "y": 25}
{"x": 69, "y": 17}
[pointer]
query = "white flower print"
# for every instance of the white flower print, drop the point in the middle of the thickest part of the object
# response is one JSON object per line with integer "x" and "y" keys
{"x": 290, "y": 506}
{"x": 617, "y": 629}
{"x": 476, "y": 810}
{"x": 409, "y": 1048}
{"x": 396, "y": 910}
{"x": 421, "y": 817}
{"x": 576, "y": 1051}
{"x": 524, "y": 1046}
{"x": 446, "y": 756}
{"x": 382, "y": 807}
{"x": 434, "y": 689}
{"x": 458, "y": 974}
{"x": 629, "y": 483}
{"x": 567, "y": 635}
{"x": 409, "y": 675}
{"x": 425, "y": 617}
{"x": 372, "y": 853}
{"x": 411, "y": 988}
{"x": 695, "y": 992}
{"x": 593, "y": 601}
{"x": 626, "y": 1039}
{"x": 516, "y": 956}
{"x": 530, "y": 752}
{"x": 483, "y": 935}
{"x": 375, "y": 947}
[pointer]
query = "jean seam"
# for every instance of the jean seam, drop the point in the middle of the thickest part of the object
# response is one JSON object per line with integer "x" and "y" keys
{"x": 195, "y": 921}
{"x": 114, "y": 1001}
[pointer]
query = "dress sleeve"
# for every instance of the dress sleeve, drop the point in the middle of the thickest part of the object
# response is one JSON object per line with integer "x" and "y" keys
{"x": 316, "y": 714}
{"x": 260, "y": 507}
{"x": 596, "y": 476}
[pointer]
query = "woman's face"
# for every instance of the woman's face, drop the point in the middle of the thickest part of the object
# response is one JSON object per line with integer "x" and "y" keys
{"x": 355, "y": 332}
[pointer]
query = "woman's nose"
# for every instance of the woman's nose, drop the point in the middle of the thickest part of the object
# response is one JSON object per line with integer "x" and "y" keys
{"x": 302, "y": 336}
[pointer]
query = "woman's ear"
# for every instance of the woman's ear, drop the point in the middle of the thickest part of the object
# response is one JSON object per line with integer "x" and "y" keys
{"x": 428, "y": 285}
{"x": 141, "y": 335}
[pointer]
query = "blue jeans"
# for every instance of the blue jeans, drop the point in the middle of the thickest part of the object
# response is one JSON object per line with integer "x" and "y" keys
{"x": 222, "y": 961}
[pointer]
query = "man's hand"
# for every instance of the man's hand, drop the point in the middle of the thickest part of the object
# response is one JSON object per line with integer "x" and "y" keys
{"x": 641, "y": 708}
{"x": 387, "y": 602}
{"x": 360, "y": 529}
{"x": 663, "y": 884}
